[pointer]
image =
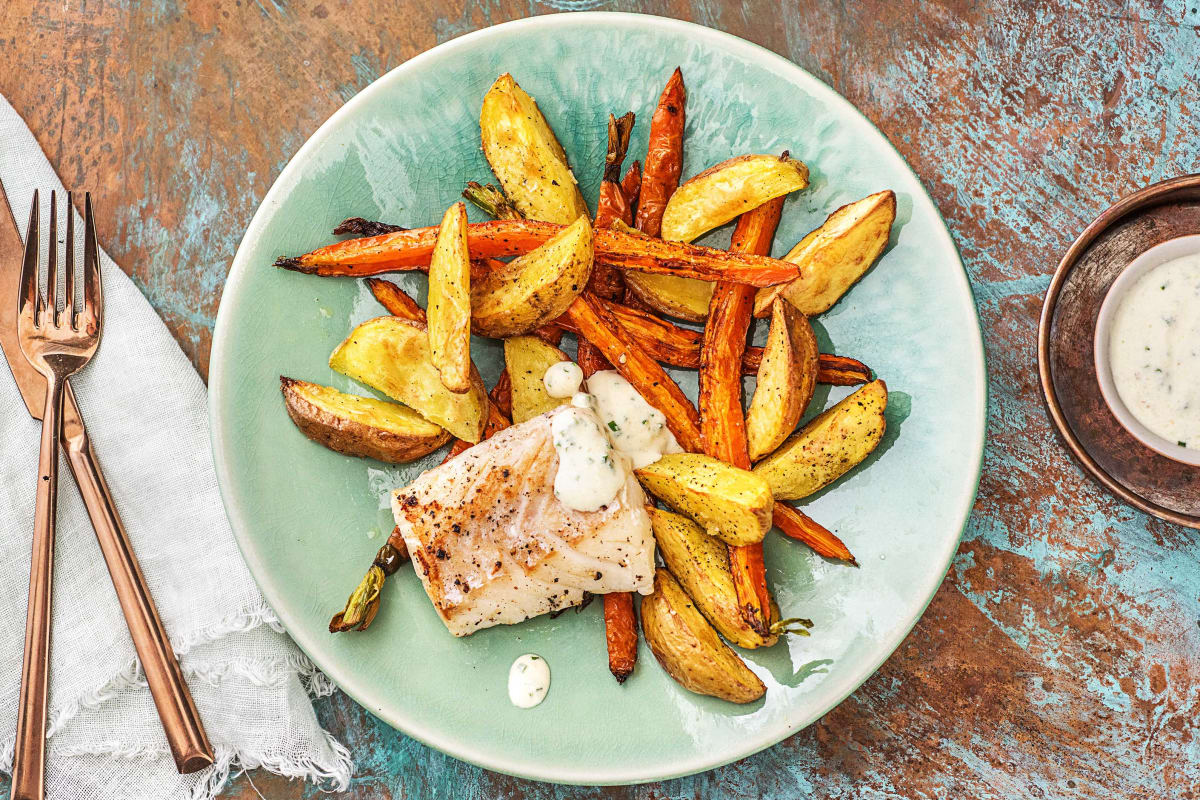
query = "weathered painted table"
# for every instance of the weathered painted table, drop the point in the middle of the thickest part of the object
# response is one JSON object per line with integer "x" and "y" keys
{"x": 1061, "y": 658}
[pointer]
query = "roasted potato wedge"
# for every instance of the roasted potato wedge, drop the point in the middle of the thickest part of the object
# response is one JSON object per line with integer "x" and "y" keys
{"x": 787, "y": 377}
{"x": 526, "y": 157}
{"x": 829, "y": 446}
{"x": 728, "y": 189}
{"x": 689, "y": 649}
{"x": 449, "y": 312}
{"x": 527, "y": 359}
{"x": 682, "y": 298}
{"x": 732, "y": 504}
{"x": 391, "y": 355}
{"x": 701, "y": 565}
{"x": 537, "y": 287}
{"x": 834, "y": 256}
{"x": 360, "y": 426}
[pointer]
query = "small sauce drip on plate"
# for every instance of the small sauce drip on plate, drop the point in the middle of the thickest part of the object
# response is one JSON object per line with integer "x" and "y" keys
{"x": 528, "y": 681}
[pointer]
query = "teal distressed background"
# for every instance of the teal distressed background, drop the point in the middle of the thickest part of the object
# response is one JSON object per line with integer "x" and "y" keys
{"x": 1059, "y": 659}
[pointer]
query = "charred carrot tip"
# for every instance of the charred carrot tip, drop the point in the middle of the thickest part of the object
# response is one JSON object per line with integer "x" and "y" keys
{"x": 752, "y": 617}
{"x": 294, "y": 264}
{"x": 358, "y": 226}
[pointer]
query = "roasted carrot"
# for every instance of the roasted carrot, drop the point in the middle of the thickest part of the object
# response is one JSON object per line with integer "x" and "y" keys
{"x": 664, "y": 156}
{"x": 677, "y": 346}
{"x": 795, "y": 524}
{"x": 590, "y": 359}
{"x": 606, "y": 280}
{"x": 722, "y": 421}
{"x": 638, "y": 304}
{"x": 831, "y": 369}
{"x": 501, "y": 394}
{"x": 613, "y": 203}
{"x": 395, "y": 300}
{"x": 457, "y": 449}
{"x": 840, "y": 370}
{"x": 621, "y": 634}
{"x": 620, "y": 619}
{"x": 411, "y": 250}
{"x": 358, "y": 226}
{"x": 550, "y": 333}
{"x": 631, "y": 185}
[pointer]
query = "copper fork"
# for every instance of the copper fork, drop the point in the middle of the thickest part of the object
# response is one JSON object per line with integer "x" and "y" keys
{"x": 58, "y": 343}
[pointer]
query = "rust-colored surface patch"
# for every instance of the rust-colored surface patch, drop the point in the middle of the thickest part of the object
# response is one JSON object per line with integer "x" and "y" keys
{"x": 1059, "y": 660}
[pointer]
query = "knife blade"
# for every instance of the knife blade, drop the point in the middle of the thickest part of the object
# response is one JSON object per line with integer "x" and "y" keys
{"x": 172, "y": 699}
{"x": 29, "y": 381}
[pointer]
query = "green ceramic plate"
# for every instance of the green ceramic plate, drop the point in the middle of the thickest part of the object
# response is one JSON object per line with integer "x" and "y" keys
{"x": 308, "y": 520}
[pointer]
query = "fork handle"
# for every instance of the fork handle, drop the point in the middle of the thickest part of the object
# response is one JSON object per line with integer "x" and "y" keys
{"x": 176, "y": 709}
{"x": 29, "y": 750}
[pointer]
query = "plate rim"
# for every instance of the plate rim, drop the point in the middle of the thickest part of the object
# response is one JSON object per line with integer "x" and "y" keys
{"x": 449, "y": 745}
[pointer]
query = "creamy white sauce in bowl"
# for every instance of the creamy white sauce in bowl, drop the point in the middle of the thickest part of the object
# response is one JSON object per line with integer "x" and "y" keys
{"x": 1147, "y": 349}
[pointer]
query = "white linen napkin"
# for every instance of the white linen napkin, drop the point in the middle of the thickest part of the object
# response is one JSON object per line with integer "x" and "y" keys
{"x": 145, "y": 408}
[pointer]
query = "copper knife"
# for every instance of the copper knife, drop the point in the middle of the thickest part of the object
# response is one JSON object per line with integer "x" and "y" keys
{"x": 180, "y": 720}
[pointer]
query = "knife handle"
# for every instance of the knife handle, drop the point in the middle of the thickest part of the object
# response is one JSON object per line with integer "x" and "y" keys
{"x": 180, "y": 720}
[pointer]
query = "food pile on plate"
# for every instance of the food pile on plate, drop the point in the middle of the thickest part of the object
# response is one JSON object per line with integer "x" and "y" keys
{"x": 547, "y": 495}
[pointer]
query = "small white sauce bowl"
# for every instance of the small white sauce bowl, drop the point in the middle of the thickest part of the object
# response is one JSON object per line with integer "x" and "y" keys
{"x": 1154, "y": 257}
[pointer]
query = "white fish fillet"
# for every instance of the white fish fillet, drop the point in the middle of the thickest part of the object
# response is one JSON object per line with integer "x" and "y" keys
{"x": 493, "y": 546}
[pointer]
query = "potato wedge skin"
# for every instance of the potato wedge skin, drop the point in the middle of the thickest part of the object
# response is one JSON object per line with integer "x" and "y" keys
{"x": 732, "y": 504}
{"x": 391, "y": 355}
{"x": 829, "y": 446}
{"x": 834, "y": 256}
{"x": 360, "y": 426}
{"x": 526, "y": 156}
{"x": 728, "y": 189}
{"x": 787, "y": 377}
{"x": 536, "y": 288}
{"x": 701, "y": 565}
{"x": 449, "y": 312}
{"x": 689, "y": 649}
{"x": 527, "y": 359}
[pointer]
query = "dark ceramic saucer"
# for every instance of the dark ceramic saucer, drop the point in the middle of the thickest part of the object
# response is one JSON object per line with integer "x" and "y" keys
{"x": 1142, "y": 477}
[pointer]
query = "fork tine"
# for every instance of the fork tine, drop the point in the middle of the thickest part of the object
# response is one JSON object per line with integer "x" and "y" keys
{"x": 93, "y": 301}
{"x": 50, "y": 304}
{"x": 29, "y": 267}
{"x": 69, "y": 286}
